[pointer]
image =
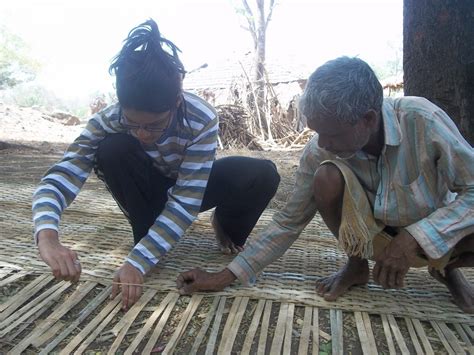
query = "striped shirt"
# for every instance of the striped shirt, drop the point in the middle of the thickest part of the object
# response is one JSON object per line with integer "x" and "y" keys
{"x": 423, "y": 181}
{"x": 185, "y": 154}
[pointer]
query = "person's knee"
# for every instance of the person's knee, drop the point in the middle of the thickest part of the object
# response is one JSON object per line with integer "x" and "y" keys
{"x": 269, "y": 177}
{"x": 328, "y": 185}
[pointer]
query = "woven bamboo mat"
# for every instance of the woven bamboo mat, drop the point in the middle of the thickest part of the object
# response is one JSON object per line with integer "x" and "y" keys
{"x": 282, "y": 313}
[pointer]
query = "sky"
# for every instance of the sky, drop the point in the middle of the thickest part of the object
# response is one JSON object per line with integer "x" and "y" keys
{"x": 75, "y": 40}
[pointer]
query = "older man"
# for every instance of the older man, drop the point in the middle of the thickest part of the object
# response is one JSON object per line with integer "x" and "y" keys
{"x": 393, "y": 180}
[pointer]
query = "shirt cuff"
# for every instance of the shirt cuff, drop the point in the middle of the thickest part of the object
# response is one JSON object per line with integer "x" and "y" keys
{"x": 44, "y": 226}
{"x": 423, "y": 233}
{"x": 243, "y": 271}
{"x": 143, "y": 269}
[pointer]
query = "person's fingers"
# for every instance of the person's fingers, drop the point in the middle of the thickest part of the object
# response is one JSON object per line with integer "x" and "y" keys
{"x": 55, "y": 268}
{"x": 376, "y": 272}
{"x": 71, "y": 269}
{"x": 64, "y": 273}
{"x": 78, "y": 267}
{"x": 383, "y": 275}
{"x": 400, "y": 279}
{"x": 392, "y": 279}
{"x": 136, "y": 292}
{"x": 115, "y": 286}
{"x": 125, "y": 296}
{"x": 180, "y": 281}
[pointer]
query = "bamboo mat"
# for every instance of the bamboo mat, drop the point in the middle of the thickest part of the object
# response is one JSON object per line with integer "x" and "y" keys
{"x": 281, "y": 314}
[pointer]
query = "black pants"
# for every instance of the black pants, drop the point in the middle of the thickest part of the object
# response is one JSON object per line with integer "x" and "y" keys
{"x": 239, "y": 187}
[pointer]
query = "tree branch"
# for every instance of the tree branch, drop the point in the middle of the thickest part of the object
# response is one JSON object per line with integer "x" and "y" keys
{"x": 251, "y": 21}
{"x": 270, "y": 12}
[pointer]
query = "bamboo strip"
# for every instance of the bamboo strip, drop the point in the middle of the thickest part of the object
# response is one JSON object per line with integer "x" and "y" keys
{"x": 101, "y": 297}
{"x": 316, "y": 331}
{"x": 262, "y": 340}
{"x": 90, "y": 326}
{"x": 232, "y": 332}
{"x": 336, "y": 331}
{"x": 170, "y": 297}
{"x": 364, "y": 340}
{"x": 103, "y": 323}
{"x": 414, "y": 338}
{"x": 229, "y": 323}
{"x": 289, "y": 329}
{"x": 468, "y": 330}
{"x": 388, "y": 335}
{"x": 13, "y": 278}
{"x": 5, "y": 272}
{"x": 185, "y": 319}
{"x": 24, "y": 295}
{"x": 442, "y": 337}
{"x": 132, "y": 313}
{"x": 48, "y": 334}
{"x": 202, "y": 332}
{"x": 422, "y": 335}
{"x": 81, "y": 291}
{"x": 160, "y": 326}
{"x": 211, "y": 343}
{"x": 12, "y": 335}
{"x": 40, "y": 298}
{"x": 305, "y": 332}
{"x": 46, "y": 303}
{"x": 120, "y": 330}
{"x": 370, "y": 333}
{"x": 451, "y": 338}
{"x": 253, "y": 328}
{"x": 464, "y": 337}
{"x": 397, "y": 334}
{"x": 279, "y": 330}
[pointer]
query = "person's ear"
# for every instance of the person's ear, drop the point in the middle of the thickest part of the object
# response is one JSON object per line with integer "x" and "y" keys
{"x": 370, "y": 119}
{"x": 179, "y": 100}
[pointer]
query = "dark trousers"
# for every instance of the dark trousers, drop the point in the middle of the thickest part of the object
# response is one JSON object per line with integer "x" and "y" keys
{"x": 239, "y": 187}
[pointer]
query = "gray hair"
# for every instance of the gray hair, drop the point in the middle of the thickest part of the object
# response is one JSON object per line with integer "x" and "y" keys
{"x": 343, "y": 89}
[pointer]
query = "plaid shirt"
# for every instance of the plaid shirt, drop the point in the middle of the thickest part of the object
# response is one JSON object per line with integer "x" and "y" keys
{"x": 423, "y": 181}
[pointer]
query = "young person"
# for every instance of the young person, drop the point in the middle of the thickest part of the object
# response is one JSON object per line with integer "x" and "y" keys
{"x": 155, "y": 150}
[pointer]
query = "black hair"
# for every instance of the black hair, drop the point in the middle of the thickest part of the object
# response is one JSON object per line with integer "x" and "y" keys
{"x": 148, "y": 77}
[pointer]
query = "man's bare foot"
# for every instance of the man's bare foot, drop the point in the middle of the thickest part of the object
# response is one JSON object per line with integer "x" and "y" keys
{"x": 460, "y": 288}
{"x": 355, "y": 272}
{"x": 224, "y": 242}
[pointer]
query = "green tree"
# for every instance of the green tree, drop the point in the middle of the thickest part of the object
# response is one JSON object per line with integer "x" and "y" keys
{"x": 16, "y": 64}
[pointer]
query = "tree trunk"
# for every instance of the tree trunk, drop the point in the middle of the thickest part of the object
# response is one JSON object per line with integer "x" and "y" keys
{"x": 438, "y": 57}
{"x": 259, "y": 73}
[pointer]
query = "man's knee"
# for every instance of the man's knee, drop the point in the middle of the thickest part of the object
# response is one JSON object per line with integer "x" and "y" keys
{"x": 269, "y": 177}
{"x": 328, "y": 185}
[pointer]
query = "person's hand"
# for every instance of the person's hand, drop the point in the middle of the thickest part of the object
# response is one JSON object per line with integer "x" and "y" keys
{"x": 393, "y": 262}
{"x": 130, "y": 279}
{"x": 63, "y": 262}
{"x": 200, "y": 280}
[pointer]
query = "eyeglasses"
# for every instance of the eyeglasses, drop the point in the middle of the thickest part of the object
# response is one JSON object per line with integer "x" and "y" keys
{"x": 154, "y": 127}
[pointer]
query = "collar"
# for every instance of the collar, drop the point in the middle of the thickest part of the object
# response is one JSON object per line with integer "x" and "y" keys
{"x": 391, "y": 126}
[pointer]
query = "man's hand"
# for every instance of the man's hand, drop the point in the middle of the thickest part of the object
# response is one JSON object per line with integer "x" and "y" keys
{"x": 393, "y": 262}
{"x": 130, "y": 279}
{"x": 62, "y": 260}
{"x": 200, "y": 280}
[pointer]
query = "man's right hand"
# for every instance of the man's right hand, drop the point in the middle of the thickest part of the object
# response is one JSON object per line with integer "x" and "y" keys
{"x": 200, "y": 280}
{"x": 62, "y": 260}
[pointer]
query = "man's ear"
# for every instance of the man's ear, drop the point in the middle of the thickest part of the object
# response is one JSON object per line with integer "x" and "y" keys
{"x": 179, "y": 100}
{"x": 370, "y": 119}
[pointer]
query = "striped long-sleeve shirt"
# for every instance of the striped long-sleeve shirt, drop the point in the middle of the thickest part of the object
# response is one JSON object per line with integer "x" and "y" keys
{"x": 423, "y": 181}
{"x": 185, "y": 154}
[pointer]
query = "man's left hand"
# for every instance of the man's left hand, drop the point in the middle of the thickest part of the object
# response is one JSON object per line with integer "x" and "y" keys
{"x": 130, "y": 279}
{"x": 393, "y": 262}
